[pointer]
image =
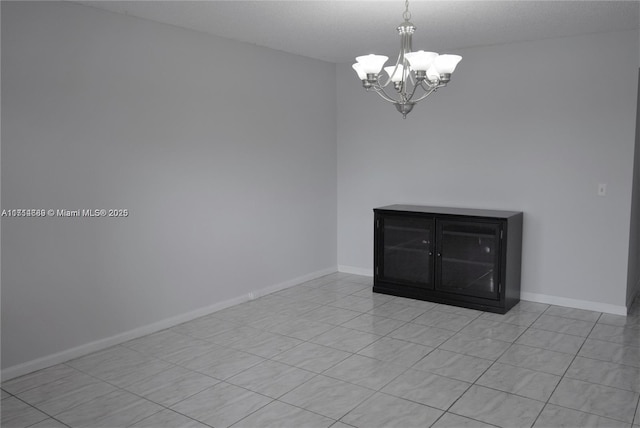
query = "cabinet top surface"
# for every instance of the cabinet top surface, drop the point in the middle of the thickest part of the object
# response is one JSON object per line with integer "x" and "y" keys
{"x": 449, "y": 211}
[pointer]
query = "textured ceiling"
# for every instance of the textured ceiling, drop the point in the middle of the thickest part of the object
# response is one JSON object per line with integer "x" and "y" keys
{"x": 337, "y": 31}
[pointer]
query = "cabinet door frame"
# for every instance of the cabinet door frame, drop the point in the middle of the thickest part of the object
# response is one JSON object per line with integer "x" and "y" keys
{"x": 379, "y": 247}
{"x": 495, "y": 295}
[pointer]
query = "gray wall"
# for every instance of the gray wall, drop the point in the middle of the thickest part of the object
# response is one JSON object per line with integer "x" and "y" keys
{"x": 224, "y": 154}
{"x": 633, "y": 276}
{"x": 530, "y": 126}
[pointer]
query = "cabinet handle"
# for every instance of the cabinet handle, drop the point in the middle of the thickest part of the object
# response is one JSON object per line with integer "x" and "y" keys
{"x": 430, "y": 253}
{"x": 439, "y": 254}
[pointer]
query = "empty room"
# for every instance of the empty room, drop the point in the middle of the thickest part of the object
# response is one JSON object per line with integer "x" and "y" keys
{"x": 320, "y": 214}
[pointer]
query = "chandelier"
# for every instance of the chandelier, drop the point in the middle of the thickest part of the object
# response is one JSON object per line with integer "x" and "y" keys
{"x": 425, "y": 70}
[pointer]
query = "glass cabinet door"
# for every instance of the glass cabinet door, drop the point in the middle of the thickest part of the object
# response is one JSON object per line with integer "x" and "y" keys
{"x": 468, "y": 258}
{"x": 406, "y": 250}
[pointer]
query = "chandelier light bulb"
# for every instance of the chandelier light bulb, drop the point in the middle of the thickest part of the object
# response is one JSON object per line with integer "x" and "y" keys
{"x": 432, "y": 73}
{"x": 372, "y": 64}
{"x": 446, "y": 64}
{"x": 357, "y": 67}
{"x": 420, "y": 60}
{"x": 395, "y": 73}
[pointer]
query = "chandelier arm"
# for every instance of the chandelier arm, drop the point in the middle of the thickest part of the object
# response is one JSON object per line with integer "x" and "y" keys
{"x": 432, "y": 85}
{"x": 406, "y": 79}
{"x": 405, "y": 46}
{"x": 426, "y": 94}
{"x": 385, "y": 84}
{"x": 383, "y": 94}
{"x": 413, "y": 92}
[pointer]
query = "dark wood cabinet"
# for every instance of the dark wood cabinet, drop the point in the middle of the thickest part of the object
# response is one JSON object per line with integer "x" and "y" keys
{"x": 463, "y": 257}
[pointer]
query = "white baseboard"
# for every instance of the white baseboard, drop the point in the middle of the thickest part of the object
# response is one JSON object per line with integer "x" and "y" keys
{"x": 295, "y": 281}
{"x": 532, "y": 297}
{"x": 574, "y": 303}
{"x": 355, "y": 270}
{"x": 97, "y": 345}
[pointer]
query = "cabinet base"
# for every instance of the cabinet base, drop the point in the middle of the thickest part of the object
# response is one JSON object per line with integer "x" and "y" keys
{"x": 425, "y": 295}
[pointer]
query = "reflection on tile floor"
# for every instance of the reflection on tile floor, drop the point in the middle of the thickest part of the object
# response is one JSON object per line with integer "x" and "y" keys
{"x": 330, "y": 353}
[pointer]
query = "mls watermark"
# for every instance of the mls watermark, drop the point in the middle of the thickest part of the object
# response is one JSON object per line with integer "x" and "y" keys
{"x": 61, "y": 212}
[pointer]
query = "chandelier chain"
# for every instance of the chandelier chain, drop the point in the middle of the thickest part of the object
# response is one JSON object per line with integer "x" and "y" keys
{"x": 406, "y": 15}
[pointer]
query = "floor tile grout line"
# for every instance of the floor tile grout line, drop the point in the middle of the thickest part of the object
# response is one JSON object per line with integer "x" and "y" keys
{"x": 288, "y": 404}
{"x": 392, "y": 396}
{"x": 373, "y": 392}
{"x": 340, "y": 422}
{"x": 273, "y": 356}
{"x": 568, "y": 334}
{"x": 583, "y": 411}
{"x": 546, "y": 401}
{"x": 51, "y": 417}
{"x": 471, "y": 384}
{"x": 560, "y": 332}
{"x": 48, "y": 415}
{"x": 164, "y": 407}
{"x": 607, "y": 362}
{"x": 563, "y": 374}
{"x": 281, "y": 362}
{"x": 170, "y": 408}
{"x": 57, "y": 379}
{"x": 527, "y": 368}
{"x": 474, "y": 383}
{"x": 636, "y": 415}
{"x": 466, "y": 417}
{"x": 495, "y": 361}
{"x": 601, "y": 384}
{"x": 291, "y": 365}
{"x": 352, "y": 354}
{"x": 120, "y": 388}
{"x": 406, "y": 369}
{"x": 251, "y": 413}
{"x": 572, "y": 318}
{"x": 610, "y": 361}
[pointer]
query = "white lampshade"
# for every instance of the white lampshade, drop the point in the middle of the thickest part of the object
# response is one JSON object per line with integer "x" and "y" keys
{"x": 358, "y": 69}
{"x": 372, "y": 64}
{"x": 420, "y": 60}
{"x": 397, "y": 76}
{"x": 445, "y": 64}
{"x": 432, "y": 73}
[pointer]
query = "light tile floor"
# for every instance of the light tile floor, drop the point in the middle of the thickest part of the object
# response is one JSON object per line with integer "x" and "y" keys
{"x": 330, "y": 352}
